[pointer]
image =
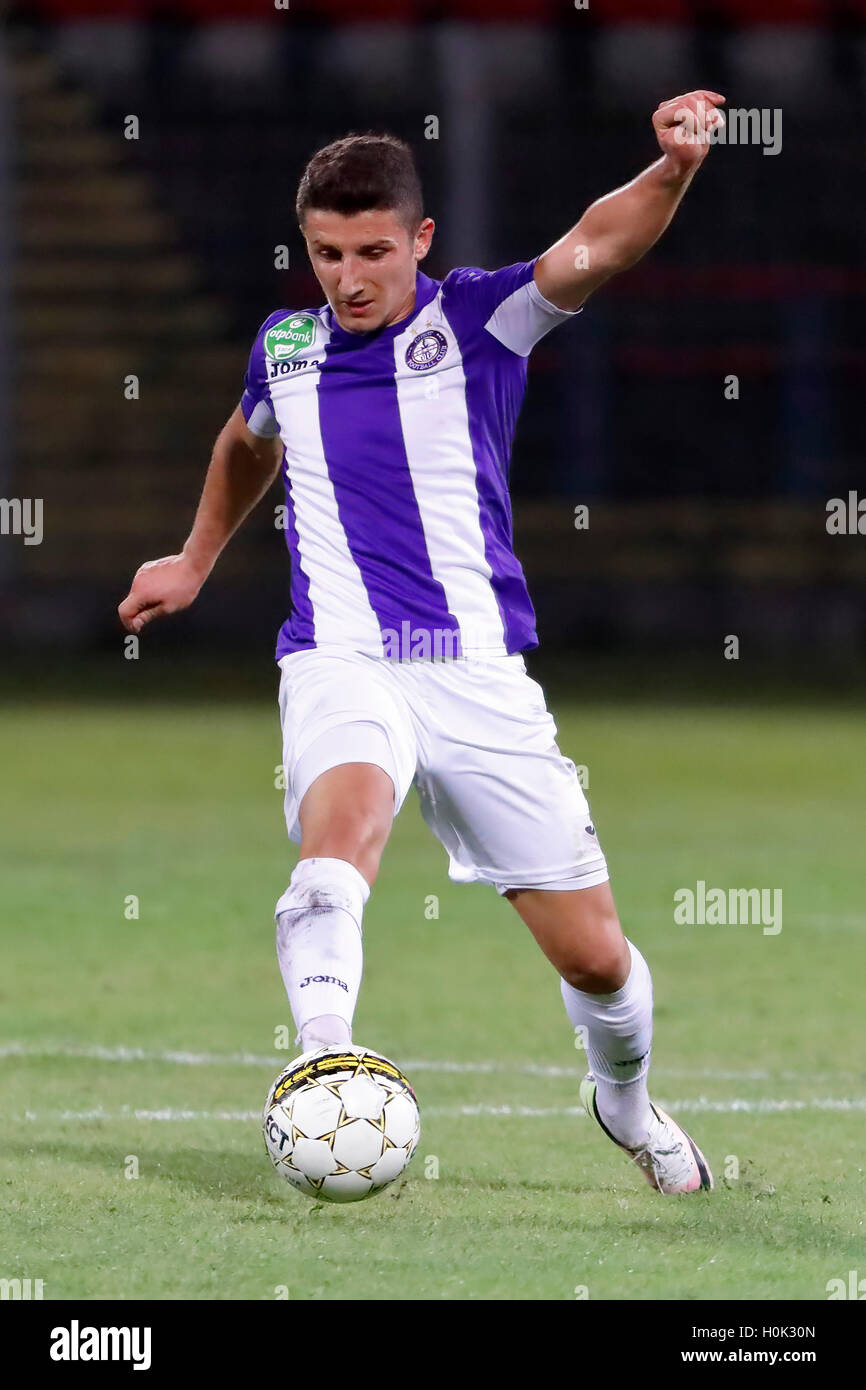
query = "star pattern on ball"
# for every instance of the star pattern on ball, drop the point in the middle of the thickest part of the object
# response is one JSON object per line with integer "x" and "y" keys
{"x": 346, "y": 1116}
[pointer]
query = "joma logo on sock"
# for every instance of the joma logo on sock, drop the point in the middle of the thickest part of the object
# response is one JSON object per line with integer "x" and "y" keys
{"x": 76, "y": 1343}
{"x": 324, "y": 980}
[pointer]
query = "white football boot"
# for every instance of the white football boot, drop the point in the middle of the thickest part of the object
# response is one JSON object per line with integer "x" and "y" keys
{"x": 670, "y": 1160}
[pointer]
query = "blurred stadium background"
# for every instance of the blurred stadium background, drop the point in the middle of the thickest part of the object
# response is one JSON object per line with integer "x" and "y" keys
{"x": 155, "y": 256}
{"x": 142, "y": 839}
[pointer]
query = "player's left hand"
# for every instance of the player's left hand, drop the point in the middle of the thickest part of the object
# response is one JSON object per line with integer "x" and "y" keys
{"x": 683, "y": 125}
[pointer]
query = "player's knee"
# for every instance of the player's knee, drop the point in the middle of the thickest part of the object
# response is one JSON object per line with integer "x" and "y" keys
{"x": 599, "y": 969}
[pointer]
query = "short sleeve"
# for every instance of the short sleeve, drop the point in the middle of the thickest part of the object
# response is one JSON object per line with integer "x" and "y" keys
{"x": 507, "y": 304}
{"x": 256, "y": 399}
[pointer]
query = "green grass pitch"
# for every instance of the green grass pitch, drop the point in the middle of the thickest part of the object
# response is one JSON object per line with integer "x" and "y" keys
{"x": 512, "y": 1195}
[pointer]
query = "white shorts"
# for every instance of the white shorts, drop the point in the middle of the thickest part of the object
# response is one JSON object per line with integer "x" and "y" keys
{"x": 476, "y": 739}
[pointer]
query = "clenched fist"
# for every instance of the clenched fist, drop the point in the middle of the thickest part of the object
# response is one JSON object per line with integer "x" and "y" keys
{"x": 160, "y": 587}
{"x": 684, "y": 124}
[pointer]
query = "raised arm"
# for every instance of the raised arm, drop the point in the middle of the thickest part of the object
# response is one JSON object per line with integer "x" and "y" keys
{"x": 616, "y": 230}
{"x": 242, "y": 468}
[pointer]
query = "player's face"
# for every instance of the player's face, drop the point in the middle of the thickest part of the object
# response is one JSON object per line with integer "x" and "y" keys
{"x": 366, "y": 264}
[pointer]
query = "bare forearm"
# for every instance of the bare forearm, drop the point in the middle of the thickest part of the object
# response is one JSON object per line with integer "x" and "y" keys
{"x": 624, "y": 224}
{"x": 242, "y": 468}
{"x": 613, "y": 233}
{"x": 237, "y": 478}
{"x": 616, "y": 230}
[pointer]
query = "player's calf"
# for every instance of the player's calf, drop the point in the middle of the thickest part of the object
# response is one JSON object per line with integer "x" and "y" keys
{"x": 579, "y": 932}
{"x": 345, "y": 817}
{"x": 607, "y": 992}
{"x": 616, "y": 1027}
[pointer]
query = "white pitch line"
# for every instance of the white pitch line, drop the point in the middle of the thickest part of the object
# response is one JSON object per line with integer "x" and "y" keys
{"x": 253, "y": 1059}
{"x": 139, "y": 1054}
{"x": 700, "y": 1106}
{"x": 694, "y": 1107}
{"x": 129, "y": 1055}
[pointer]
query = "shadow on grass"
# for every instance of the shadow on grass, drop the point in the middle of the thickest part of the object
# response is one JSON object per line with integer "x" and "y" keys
{"x": 211, "y": 1174}
{"x": 748, "y": 1219}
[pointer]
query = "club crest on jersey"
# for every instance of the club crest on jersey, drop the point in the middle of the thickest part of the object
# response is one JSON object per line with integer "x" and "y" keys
{"x": 426, "y": 350}
{"x": 290, "y": 336}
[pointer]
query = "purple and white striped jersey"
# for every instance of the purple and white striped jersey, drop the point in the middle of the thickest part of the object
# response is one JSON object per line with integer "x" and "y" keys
{"x": 396, "y": 455}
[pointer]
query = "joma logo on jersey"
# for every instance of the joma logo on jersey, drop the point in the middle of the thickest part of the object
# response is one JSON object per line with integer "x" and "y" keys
{"x": 290, "y": 336}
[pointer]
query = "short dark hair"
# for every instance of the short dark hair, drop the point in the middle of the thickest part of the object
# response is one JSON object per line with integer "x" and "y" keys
{"x": 360, "y": 172}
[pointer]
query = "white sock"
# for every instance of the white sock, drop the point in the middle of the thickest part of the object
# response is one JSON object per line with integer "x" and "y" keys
{"x": 319, "y": 948}
{"x": 328, "y": 1030}
{"x": 618, "y": 1041}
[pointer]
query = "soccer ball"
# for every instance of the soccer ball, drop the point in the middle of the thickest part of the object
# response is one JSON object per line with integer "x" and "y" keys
{"x": 341, "y": 1123}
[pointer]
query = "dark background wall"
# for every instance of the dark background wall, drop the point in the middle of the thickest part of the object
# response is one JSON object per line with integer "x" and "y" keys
{"x": 155, "y": 257}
